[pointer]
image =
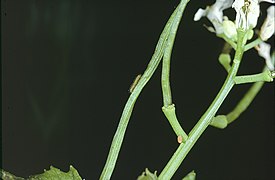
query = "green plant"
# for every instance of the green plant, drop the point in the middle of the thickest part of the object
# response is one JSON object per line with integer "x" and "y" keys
{"x": 236, "y": 36}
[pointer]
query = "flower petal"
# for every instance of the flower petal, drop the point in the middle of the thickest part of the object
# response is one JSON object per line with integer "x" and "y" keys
{"x": 267, "y": 29}
{"x": 240, "y": 15}
{"x": 214, "y": 13}
{"x": 200, "y": 13}
{"x": 253, "y": 14}
{"x": 264, "y": 51}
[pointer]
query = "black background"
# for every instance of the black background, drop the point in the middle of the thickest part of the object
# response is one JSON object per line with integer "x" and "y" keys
{"x": 66, "y": 70}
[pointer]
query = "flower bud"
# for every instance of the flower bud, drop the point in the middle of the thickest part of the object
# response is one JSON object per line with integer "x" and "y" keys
{"x": 229, "y": 29}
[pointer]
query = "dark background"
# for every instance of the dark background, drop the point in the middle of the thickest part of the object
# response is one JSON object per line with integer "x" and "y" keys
{"x": 66, "y": 70}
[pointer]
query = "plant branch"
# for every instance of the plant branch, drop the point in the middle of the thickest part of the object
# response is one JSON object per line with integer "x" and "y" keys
{"x": 252, "y": 44}
{"x": 168, "y": 108}
{"x": 170, "y": 113}
{"x": 221, "y": 121}
{"x": 228, "y": 40}
{"x": 155, "y": 60}
{"x": 244, "y": 102}
{"x": 265, "y": 76}
{"x": 205, "y": 120}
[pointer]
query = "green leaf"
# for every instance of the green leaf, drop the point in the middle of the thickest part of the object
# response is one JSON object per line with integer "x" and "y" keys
{"x": 147, "y": 175}
{"x": 56, "y": 174}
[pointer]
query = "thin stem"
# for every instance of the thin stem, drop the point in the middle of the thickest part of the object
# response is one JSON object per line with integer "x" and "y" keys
{"x": 221, "y": 121}
{"x": 264, "y": 76}
{"x": 228, "y": 40}
{"x": 155, "y": 60}
{"x": 170, "y": 113}
{"x": 244, "y": 102}
{"x": 205, "y": 120}
{"x": 253, "y": 44}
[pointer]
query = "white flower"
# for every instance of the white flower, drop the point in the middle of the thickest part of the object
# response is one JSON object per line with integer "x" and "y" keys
{"x": 214, "y": 13}
{"x": 264, "y": 51}
{"x": 267, "y": 29}
{"x": 248, "y": 12}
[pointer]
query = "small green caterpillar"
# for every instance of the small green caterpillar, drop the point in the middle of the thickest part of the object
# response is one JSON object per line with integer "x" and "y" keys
{"x": 133, "y": 85}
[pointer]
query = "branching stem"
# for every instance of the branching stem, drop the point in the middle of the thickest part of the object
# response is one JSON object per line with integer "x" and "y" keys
{"x": 265, "y": 76}
{"x": 154, "y": 62}
{"x": 220, "y": 120}
{"x": 169, "y": 108}
{"x": 205, "y": 120}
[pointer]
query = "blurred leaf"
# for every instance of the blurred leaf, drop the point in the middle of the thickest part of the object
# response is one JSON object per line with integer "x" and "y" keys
{"x": 52, "y": 174}
{"x": 190, "y": 176}
{"x": 56, "y": 174}
{"x": 147, "y": 175}
{"x": 8, "y": 176}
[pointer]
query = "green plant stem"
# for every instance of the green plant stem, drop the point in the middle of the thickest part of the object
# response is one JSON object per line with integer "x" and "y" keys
{"x": 253, "y": 44}
{"x": 155, "y": 60}
{"x": 170, "y": 113}
{"x": 264, "y": 76}
{"x": 244, "y": 102}
{"x": 228, "y": 40}
{"x": 168, "y": 107}
{"x": 221, "y": 121}
{"x": 205, "y": 120}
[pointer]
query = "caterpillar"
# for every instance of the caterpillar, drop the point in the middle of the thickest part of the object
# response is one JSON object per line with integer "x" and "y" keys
{"x": 133, "y": 85}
